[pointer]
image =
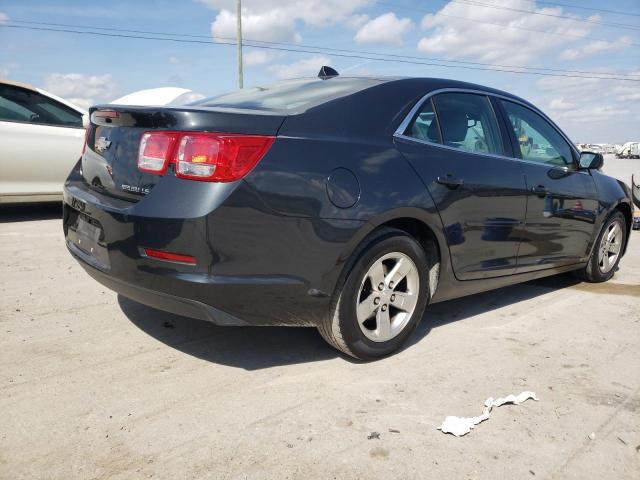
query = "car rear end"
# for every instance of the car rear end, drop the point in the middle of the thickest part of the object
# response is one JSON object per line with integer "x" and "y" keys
{"x": 138, "y": 206}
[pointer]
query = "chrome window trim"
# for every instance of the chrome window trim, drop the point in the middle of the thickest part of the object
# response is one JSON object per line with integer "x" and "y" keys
{"x": 502, "y": 157}
{"x": 454, "y": 149}
{"x": 399, "y": 133}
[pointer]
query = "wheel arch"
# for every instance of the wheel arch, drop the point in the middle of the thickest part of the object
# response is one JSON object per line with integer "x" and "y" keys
{"x": 424, "y": 226}
{"x": 626, "y": 209}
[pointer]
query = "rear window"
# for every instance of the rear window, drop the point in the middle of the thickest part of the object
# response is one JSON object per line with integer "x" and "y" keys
{"x": 298, "y": 95}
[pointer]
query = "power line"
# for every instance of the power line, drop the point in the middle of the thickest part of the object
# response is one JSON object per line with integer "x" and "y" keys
{"x": 513, "y": 27}
{"x": 603, "y": 10}
{"x": 533, "y": 12}
{"x": 579, "y": 7}
{"x": 317, "y": 51}
{"x": 502, "y": 25}
{"x": 328, "y": 49}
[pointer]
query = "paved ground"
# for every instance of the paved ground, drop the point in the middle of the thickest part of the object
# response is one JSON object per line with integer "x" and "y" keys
{"x": 96, "y": 386}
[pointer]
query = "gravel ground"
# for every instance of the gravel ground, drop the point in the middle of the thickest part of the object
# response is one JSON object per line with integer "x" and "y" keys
{"x": 93, "y": 385}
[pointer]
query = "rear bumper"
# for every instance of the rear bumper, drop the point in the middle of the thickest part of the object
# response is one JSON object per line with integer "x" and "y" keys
{"x": 155, "y": 299}
{"x": 254, "y": 267}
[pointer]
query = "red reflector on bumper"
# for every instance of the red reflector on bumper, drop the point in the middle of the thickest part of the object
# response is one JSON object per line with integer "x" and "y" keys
{"x": 169, "y": 257}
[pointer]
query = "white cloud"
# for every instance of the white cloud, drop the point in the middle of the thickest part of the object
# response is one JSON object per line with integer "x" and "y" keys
{"x": 276, "y": 20}
{"x": 302, "y": 68}
{"x": 3, "y": 17}
{"x": 591, "y": 109}
{"x": 561, "y": 104}
{"x": 357, "y": 21}
{"x": 628, "y": 91}
{"x": 274, "y": 26}
{"x": 486, "y": 40}
{"x": 253, "y": 57}
{"x": 83, "y": 90}
{"x": 595, "y": 47}
{"x": 387, "y": 28}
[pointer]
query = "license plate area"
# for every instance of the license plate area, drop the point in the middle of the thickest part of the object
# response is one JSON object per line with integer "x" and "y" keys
{"x": 86, "y": 237}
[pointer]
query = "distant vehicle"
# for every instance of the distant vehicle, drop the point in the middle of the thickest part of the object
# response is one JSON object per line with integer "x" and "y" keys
{"x": 629, "y": 150}
{"x": 41, "y": 137}
{"x": 159, "y": 96}
{"x": 343, "y": 203}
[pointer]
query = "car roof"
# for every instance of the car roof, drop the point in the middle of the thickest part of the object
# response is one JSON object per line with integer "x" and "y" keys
{"x": 430, "y": 84}
{"x": 295, "y": 96}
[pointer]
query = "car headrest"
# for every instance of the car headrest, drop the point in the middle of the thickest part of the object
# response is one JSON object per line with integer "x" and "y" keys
{"x": 454, "y": 125}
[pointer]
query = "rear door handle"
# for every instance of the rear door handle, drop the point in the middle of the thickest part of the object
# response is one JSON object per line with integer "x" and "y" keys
{"x": 450, "y": 181}
{"x": 540, "y": 190}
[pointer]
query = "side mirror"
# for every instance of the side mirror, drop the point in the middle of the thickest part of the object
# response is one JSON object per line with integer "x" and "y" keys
{"x": 591, "y": 160}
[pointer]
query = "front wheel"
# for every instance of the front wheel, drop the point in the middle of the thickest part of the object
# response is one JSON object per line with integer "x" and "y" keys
{"x": 383, "y": 297}
{"x": 607, "y": 250}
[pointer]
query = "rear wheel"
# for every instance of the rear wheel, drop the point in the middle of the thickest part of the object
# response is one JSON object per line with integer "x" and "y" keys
{"x": 382, "y": 298}
{"x": 607, "y": 250}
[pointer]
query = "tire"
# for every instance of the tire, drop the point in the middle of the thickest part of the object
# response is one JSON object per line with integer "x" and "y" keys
{"x": 594, "y": 272}
{"x": 378, "y": 255}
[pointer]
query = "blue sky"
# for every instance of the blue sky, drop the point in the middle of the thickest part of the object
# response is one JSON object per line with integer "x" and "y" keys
{"x": 88, "y": 69}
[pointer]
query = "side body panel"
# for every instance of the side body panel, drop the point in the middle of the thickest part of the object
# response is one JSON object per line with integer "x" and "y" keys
{"x": 560, "y": 222}
{"x": 483, "y": 217}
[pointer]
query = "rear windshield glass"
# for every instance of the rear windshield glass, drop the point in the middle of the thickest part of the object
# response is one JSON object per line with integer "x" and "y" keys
{"x": 290, "y": 95}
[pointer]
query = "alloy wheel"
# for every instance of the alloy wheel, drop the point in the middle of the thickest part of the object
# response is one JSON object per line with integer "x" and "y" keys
{"x": 610, "y": 246}
{"x": 387, "y": 297}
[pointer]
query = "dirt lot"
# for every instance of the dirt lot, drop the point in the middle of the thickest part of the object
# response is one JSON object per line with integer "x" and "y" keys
{"x": 96, "y": 386}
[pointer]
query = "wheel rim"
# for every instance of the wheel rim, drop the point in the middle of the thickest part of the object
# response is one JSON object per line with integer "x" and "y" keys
{"x": 610, "y": 246}
{"x": 387, "y": 297}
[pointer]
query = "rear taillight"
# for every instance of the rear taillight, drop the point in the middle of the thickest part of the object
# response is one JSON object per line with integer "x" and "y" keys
{"x": 155, "y": 151}
{"x": 213, "y": 157}
{"x": 219, "y": 157}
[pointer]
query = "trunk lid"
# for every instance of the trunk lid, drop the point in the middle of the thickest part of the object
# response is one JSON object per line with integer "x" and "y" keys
{"x": 109, "y": 161}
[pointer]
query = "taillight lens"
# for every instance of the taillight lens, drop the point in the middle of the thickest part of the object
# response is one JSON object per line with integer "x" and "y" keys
{"x": 216, "y": 157}
{"x": 155, "y": 151}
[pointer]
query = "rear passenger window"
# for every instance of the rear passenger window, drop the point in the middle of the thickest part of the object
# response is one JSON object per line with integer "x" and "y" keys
{"x": 467, "y": 122}
{"x": 425, "y": 124}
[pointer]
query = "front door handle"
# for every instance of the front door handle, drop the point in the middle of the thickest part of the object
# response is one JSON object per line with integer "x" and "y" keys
{"x": 450, "y": 181}
{"x": 540, "y": 190}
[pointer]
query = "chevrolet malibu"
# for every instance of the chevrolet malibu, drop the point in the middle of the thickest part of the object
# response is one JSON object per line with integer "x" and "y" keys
{"x": 346, "y": 204}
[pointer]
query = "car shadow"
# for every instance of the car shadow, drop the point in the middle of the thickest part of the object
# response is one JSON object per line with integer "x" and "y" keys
{"x": 250, "y": 348}
{"x": 461, "y": 308}
{"x": 31, "y": 212}
{"x": 254, "y": 348}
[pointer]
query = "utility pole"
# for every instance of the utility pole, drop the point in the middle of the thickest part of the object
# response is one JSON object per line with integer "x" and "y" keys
{"x": 239, "y": 41}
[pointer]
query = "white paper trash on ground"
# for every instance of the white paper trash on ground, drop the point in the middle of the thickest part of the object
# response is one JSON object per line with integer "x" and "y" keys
{"x": 460, "y": 426}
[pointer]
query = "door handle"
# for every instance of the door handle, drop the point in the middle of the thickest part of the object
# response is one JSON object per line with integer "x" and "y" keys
{"x": 450, "y": 181}
{"x": 540, "y": 191}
